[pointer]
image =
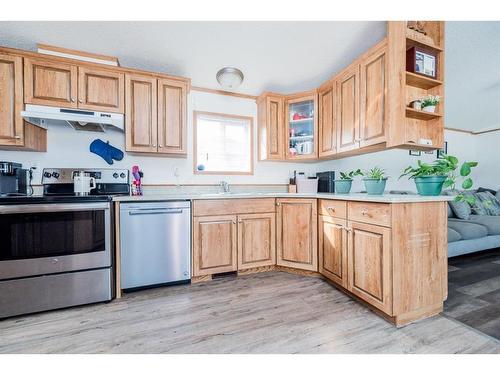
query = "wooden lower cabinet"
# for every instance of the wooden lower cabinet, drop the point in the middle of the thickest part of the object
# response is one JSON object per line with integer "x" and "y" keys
{"x": 332, "y": 245}
{"x": 256, "y": 240}
{"x": 214, "y": 245}
{"x": 370, "y": 266}
{"x": 297, "y": 228}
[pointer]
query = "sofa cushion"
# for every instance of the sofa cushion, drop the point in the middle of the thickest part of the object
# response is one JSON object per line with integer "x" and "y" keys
{"x": 485, "y": 204}
{"x": 481, "y": 189}
{"x": 492, "y": 223}
{"x": 453, "y": 235}
{"x": 467, "y": 229}
{"x": 462, "y": 209}
{"x": 450, "y": 211}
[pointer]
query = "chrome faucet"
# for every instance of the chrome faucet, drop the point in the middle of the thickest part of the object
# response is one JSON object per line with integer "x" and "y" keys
{"x": 224, "y": 186}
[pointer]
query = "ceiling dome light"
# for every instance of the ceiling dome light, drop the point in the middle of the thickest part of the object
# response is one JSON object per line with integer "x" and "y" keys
{"x": 230, "y": 78}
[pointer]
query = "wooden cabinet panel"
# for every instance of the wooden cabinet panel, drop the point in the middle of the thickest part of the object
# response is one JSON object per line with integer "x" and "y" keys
{"x": 214, "y": 245}
{"x": 172, "y": 126}
{"x": 205, "y": 207}
{"x": 11, "y": 100}
{"x": 370, "y": 268}
{"x": 335, "y": 208}
{"x": 332, "y": 245}
{"x": 100, "y": 90}
{"x": 305, "y": 128}
{"x": 141, "y": 113}
{"x": 297, "y": 228}
{"x": 326, "y": 121}
{"x": 348, "y": 109}
{"x": 371, "y": 213}
{"x": 270, "y": 112}
{"x": 50, "y": 83}
{"x": 256, "y": 240}
{"x": 373, "y": 112}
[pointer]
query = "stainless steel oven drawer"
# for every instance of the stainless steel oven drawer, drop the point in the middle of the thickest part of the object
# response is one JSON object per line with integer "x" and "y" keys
{"x": 33, "y": 294}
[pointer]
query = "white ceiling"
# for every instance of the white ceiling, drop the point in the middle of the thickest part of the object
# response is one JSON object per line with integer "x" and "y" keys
{"x": 278, "y": 56}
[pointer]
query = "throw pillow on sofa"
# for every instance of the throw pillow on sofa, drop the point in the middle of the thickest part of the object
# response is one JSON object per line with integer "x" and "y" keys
{"x": 486, "y": 204}
{"x": 462, "y": 210}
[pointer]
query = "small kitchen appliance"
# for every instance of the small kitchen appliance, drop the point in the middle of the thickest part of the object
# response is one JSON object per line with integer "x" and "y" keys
{"x": 326, "y": 182}
{"x": 13, "y": 179}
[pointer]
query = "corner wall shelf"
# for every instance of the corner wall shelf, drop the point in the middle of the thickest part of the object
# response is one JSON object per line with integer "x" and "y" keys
{"x": 420, "y": 81}
{"x": 421, "y": 115}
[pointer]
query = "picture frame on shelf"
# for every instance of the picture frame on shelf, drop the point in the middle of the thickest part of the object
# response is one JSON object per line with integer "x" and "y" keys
{"x": 442, "y": 151}
{"x": 422, "y": 61}
{"x": 415, "y": 153}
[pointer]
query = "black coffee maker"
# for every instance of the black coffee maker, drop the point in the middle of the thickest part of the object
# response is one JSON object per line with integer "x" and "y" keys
{"x": 13, "y": 179}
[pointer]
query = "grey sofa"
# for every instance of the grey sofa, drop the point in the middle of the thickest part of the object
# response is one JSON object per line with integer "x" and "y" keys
{"x": 480, "y": 232}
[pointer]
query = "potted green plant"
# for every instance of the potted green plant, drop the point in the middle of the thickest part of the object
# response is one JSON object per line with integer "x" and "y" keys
{"x": 343, "y": 186}
{"x": 431, "y": 178}
{"x": 375, "y": 180}
{"x": 429, "y": 103}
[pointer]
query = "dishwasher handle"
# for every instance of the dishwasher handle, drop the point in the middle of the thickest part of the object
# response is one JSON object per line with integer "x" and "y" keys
{"x": 158, "y": 211}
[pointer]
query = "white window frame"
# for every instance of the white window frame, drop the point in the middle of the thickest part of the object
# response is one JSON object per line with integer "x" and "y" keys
{"x": 221, "y": 115}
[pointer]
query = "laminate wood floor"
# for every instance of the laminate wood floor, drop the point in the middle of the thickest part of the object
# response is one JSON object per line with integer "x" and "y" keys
{"x": 474, "y": 291}
{"x": 262, "y": 313}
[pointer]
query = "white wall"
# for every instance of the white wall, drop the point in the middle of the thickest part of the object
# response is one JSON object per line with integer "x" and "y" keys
{"x": 69, "y": 148}
{"x": 394, "y": 162}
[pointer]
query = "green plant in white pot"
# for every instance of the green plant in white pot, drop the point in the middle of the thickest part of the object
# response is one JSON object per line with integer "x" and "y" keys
{"x": 430, "y": 102}
{"x": 343, "y": 186}
{"x": 375, "y": 180}
{"x": 431, "y": 178}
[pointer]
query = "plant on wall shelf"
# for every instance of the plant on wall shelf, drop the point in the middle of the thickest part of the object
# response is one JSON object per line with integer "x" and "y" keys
{"x": 431, "y": 178}
{"x": 430, "y": 102}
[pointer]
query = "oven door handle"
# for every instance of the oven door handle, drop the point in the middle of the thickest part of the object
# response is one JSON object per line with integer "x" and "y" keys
{"x": 52, "y": 207}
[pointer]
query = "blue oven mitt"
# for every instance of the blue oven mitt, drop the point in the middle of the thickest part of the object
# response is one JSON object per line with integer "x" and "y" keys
{"x": 106, "y": 151}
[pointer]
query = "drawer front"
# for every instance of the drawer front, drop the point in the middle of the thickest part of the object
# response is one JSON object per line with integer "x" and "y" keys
{"x": 371, "y": 213}
{"x": 233, "y": 206}
{"x": 330, "y": 207}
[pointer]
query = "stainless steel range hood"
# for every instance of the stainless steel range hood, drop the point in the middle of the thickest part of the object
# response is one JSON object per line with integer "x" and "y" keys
{"x": 84, "y": 120}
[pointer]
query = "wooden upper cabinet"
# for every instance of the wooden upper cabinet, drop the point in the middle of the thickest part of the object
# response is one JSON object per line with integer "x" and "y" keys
{"x": 332, "y": 243}
{"x": 214, "y": 244}
{"x": 373, "y": 111}
{"x": 270, "y": 112}
{"x": 326, "y": 119}
{"x": 100, "y": 90}
{"x": 172, "y": 124}
{"x": 141, "y": 113}
{"x": 256, "y": 240}
{"x": 348, "y": 109}
{"x": 301, "y": 126}
{"x": 297, "y": 228}
{"x": 370, "y": 264}
{"x": 50, "y": 83}
{"x": 11, "y": 100}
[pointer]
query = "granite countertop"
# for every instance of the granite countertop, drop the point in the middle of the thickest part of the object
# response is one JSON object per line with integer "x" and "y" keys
{"x": 386, "y": 198}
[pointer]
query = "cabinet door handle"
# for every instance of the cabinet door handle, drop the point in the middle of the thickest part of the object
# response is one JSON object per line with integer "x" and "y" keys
{"x": 348, "y": 229}
{"x": 364, "y": 212}
{"x": 72, "y": 100}
{"x": 234, "y": 221}
{"x": 80, "y": 101}
{"x": 159, "y": 146}
{"x": 17, "y": 137}
{"x": 240, "y": 221}
{"x": 340, "y": 226}
{"x": 278, "y": 204}
{"x": 154, "y": 145}
{"x": 331, "y": 209}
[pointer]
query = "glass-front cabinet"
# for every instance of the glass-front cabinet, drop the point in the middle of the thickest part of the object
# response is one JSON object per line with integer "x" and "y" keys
{"x": 301, "y": 126}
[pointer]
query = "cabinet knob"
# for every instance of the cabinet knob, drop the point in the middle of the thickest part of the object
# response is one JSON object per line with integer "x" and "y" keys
{"x": 348, "y": 229}
{"x": 17, "y": 137}
{"x": 240, "y": 221}
{"x": 80, "y": 101}
{"x": 154, "y": 145}
{"x": 159, "y": 146}
{"x": 234, "y": 221}
{"x": 364, "y": 212}
{"x": 331, "y": 209}
{"x": 72, "y": 100}
{"x": 278, "y": 204}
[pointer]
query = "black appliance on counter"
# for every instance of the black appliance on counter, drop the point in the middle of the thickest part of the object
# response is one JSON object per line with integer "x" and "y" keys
{"x": 326, "y": 182}
{"x": 13, "y": 179}
{"x": 57, "y": 248}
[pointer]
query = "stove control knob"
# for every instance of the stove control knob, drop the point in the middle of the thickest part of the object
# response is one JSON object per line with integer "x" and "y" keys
{"x": 122, "y": 175}
{"x": 115, "y": 175}
{"x": 55, "y": 175}
{"x": 47, "y": 175}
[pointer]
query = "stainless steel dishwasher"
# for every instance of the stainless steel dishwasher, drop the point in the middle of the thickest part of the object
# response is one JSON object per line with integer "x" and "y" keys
{"x": 155, "y": 241}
